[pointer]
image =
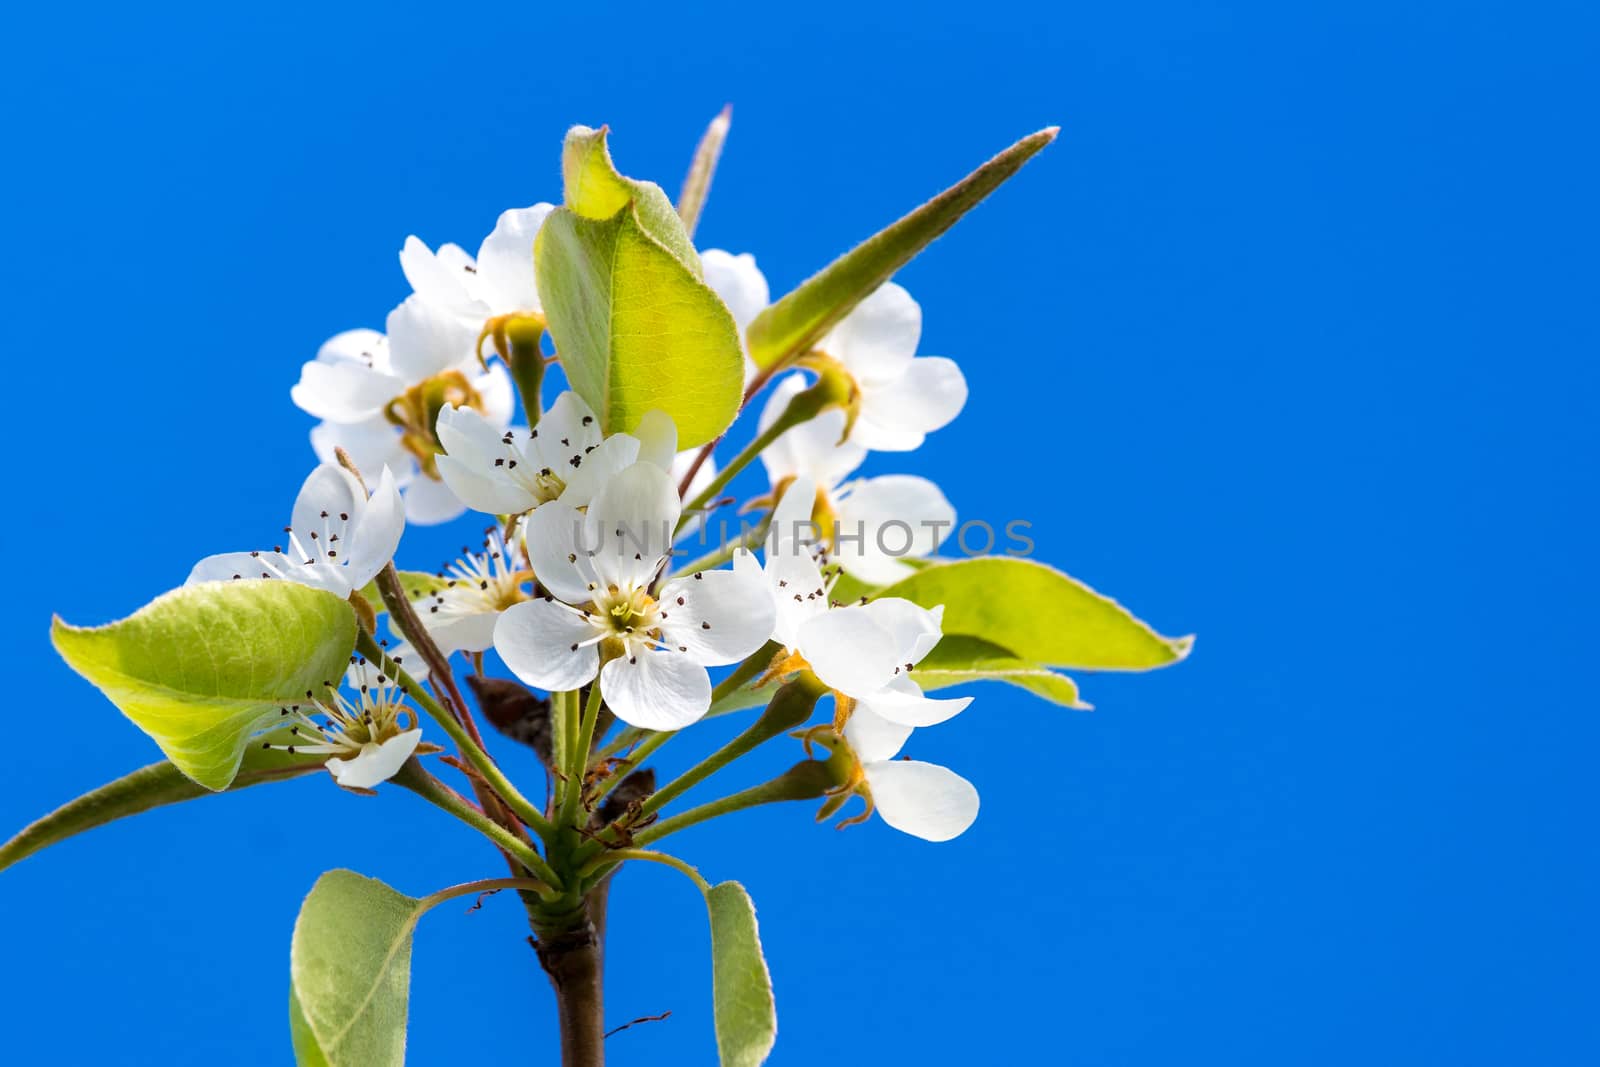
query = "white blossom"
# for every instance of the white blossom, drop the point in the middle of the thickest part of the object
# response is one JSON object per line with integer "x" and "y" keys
{"x": 921, "y": 799}
{"x": 599, "y": 571}
{"x": 903, "y": 397}
{"x": 502, "y": 471}
{"x": 337, "y": 538}
{"x": 869, "y": 526}
{"x": 367, "y": 736}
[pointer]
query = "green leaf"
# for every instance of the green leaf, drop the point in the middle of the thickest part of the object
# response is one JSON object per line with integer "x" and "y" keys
{"x": 204, "y": 667}
{"x": 350, "y": 973}
{"x": 419, "y": 585}
{"x": 154, "y": 786}
{"x": 595, "y": 190}
{"x": 307, "y": 1053}
{"x": 1039, "y": 614}
{"x": 747, "y": 1020}
{"x": 697, "y": 184}
{"x": 958, "y": 659}
{"x": 795, "y": 323}
{"x": 635, "y": 329}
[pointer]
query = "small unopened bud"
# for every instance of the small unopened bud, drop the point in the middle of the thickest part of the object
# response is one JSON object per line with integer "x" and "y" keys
{"x": 515, "y": 712}
{"x": 630, "y": 791}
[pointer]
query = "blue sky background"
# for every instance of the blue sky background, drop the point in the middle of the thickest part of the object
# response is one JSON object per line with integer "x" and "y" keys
{"x": 1288, "y": 341}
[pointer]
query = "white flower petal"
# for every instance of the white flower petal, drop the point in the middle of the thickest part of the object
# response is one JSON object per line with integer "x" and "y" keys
{"x": 791, "y": 529}
{"x": 656, "y": 690}
{"x": 868, "y": 434}
{"x": 464, "y": 633}
{"x": 922, "y": 799}
{"x": 472, "y": 445}
{"x": 496, "y": 393}
{"x": 596, "y": 469}
{"x": 367, "y": 348}
{"x": 505, "y": 278}
{"x": 425, "y": 340}
{"x": 410, "y": 660}
{"x": 375, "y": 532}
{"x": 930, "y": 393}
{"x": 902, "y": 702}
{"x": 329, "y": 496}
{"x": 798, "y": 592}
{"x": 483, "y": 491}
{"x": 657, "y": 435}
{"x": 343, "y": 392}
{"x": 879, "y": 336}
{"x": 568, "y": 429}
{"x": 630, "y": 524}
{"x": 811, "y": 448}
{"x": 441, "y": 279}
{"x": 702, "y": 477}
{"x": 849, "y": 651}
{"x": 739, "y": 282}
{"x": 376, "y": 763}
{"x": 231, "y": 566}
{"x": 430, "y": 502}
{"x": 872, "y": 737}
{"x": 717, "y": 616}
{"x": 536, "y": 639}
{"x": 551, "y": 535}
{"x": 372, "y": 444}
{"x": 898, "y": 517}
{"x": 915, "y": 629}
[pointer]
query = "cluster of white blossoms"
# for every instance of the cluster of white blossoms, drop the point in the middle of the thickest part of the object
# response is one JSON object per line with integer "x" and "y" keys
{"x": 574, "y": 583}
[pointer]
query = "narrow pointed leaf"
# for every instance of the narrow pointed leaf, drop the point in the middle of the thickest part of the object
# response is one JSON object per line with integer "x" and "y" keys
{"x": 958, "y": 659}
{"x": 798, "y": 321}
{"x": 595, "y": 190}
{"x": 746, "y": 1018}
{"x": 635, "y": 329}
{"x": 154, "y": 786}
{"x": 350, "y": 973}
{"x": 697, "y": 184}
{"x": 204, "y": 667}
{"x": 1039, "y": 614}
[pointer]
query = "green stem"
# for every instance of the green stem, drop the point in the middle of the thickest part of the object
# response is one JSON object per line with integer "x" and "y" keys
{"x": 635, "y": 758}
{"x": 414, "y": 777}
{"x": 486, "y": 885}
{"x": 563, "y": 740}
{"x": 790, "y": 707}
{"x": 829, "y": 391}
{"x": 806, "y": 780}
{"x": 740, "y": 462}
{"x": 476, "y": 756}
{"x": 580, "y": 763}
{"x": 674, "y": 862}
{"x": 526, "y": 363}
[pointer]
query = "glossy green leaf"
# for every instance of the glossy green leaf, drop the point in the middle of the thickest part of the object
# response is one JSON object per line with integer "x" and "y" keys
{"x": 204, "y": 667}
{"x": 595, "y": 190}
{"x": 154, "y": 786}
{"x": 799, "y": 320}
{"x": 635, "y": 329}
{"x": 958, "y": 659}
{"x": 350, "y": 973}
{"x": 746, "y": 1018}
{"x": 1039, "y": 614}
{"x": 418, "y": 586}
